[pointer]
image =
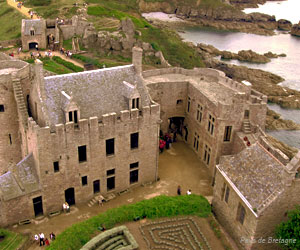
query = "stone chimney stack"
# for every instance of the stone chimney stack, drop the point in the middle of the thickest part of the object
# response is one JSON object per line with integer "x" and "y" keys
{"x": 137, "y": 56}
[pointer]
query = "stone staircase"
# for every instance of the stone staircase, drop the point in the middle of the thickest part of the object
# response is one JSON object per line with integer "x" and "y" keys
{"x": 93, "y": 201}
{"x": 246, "y": 127}
{"x": 22, "y": 110}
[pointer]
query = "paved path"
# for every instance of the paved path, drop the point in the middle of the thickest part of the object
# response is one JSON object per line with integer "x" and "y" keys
{"x": 23, "y": 9}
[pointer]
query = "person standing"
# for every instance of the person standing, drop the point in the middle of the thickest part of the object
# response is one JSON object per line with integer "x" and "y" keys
{"x": 178, "y": 190}
{"x": 189, "y": 192}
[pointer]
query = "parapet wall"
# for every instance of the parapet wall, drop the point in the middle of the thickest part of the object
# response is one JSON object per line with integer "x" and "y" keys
{"x": 23, "y": 68}
{"x": 94, "y": 123}
{"x": 217, "y": 75}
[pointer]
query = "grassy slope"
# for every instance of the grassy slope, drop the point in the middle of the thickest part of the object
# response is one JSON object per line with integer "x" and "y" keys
{"x": 12, "y": 240}
{"x": 9, "y": 30}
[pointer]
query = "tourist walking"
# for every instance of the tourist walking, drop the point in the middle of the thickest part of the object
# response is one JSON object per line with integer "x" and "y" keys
{"x": 52, "y": 236}
{"x": 178, "y": 190}
{"x": 42, "y": 239}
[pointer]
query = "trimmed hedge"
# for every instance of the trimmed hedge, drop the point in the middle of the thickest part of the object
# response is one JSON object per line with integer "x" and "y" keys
{"x": 67, "y": 64}
{"x": 162, "y": 206}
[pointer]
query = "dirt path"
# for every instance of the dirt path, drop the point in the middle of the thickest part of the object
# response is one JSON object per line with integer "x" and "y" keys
{"x": 177, "y": 166}
{"x": 23, "y": 9}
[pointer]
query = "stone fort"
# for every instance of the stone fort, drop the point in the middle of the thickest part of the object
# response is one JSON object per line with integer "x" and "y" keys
{"x": 72, "y": 137}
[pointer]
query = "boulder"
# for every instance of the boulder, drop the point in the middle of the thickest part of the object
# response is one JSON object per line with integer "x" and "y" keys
{"x": 251, "y": 56}
{"x": 296, "y": 30}
{"x": 284, "y": 25}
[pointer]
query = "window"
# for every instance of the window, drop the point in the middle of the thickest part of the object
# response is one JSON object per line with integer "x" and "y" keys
{"x": 82, "y": 153}
{"x": 196, "y": 141}
{"x": 110, "y": 146}
{"x": 10, "y": 140}
{"x": 189, "y": 104}
{"x": 73, "y": 116}
{"x": 134, "y": 140}
{"x": 179, "y": 102}
{"x": 207, "y": 152}
{"x": 227, "y": 133}
{"x": 199, "y": 113}
{"x": 70, "y": 117}
{"x": 134, "y": 173}
{"x": 227, "y": 194}
{"x": 1, "y": 108}
{"x": 211, "y": 124}
{"x": 84, "y": 181}
{"x": 135, "y": 103}
{"x": 110, "y": 172}
{"x": 241, "y": 212}
{"x": 32, "y": 32}
{"x": 56, "y": 166}
{"x": 110, "y": 183}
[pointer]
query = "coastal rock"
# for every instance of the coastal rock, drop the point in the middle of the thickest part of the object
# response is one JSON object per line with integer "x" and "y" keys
{"x": 251, "y": 56}
{"x": 296, "y": 30}
{"x": 284, "y": 24}
{"x": 274, "y": 122}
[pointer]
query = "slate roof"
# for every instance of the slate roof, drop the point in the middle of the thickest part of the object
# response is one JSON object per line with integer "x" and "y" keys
{"x": 255, "y": 172}
{"x": 96, "y": 92}
{"x": 37, "y": 24}
{"x": 21, "y": 180}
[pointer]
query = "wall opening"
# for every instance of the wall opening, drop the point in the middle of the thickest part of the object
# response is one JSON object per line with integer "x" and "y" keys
{"x": 134, "y": 140}
{"x": 1, "y": 108}
{"x": 96, "y": 186}
{"x": 82, "y": 153}
{"x": 110, "y": 183}
{"x": 38, "y": 206}
{"x": 28, "y": 106}
{"x": 32, "y": 45}
{"x": 110, "y": 146}
{"x": 56, "y": 166}
{"x": 70, "y": 196}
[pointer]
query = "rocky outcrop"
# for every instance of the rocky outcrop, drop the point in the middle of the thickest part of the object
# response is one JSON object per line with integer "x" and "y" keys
{"x": 284, "y": 24}
{"x": 287, "y": 150}
{"x": 243, "y": 55}
{"x": 249, "y": 3}
{"x": 296, "y": 30}
{"x": 274, "y": 122}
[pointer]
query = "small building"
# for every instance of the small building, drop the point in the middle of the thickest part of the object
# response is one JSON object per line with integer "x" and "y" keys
{"x": 253, "y": 191}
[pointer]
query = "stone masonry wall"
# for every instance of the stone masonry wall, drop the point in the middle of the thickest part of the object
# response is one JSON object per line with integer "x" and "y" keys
{"x": 226, "y": 214}
{"x": 62, "y": 146}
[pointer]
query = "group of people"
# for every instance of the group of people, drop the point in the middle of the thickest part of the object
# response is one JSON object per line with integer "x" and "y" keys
{"x": 188, "y": 192}
{"x": 40, "y": 238}
{"x": 67, "y": 53}
{"x": 166, "y": 141}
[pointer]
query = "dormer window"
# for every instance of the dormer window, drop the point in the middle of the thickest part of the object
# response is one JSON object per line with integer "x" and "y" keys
{"x": 135, "y": 103}
{"x": 73, "y": 116}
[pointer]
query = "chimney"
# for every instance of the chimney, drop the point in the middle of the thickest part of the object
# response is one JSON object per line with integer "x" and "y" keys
{"x": 137, "y": 56}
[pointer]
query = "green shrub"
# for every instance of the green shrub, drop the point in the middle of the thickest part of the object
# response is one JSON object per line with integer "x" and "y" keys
{"x": 162, "y": 206}
{"x": 67, "y": 64}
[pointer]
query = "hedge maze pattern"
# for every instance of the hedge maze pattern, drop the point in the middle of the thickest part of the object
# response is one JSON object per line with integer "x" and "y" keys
{"x": 174, "y": 234}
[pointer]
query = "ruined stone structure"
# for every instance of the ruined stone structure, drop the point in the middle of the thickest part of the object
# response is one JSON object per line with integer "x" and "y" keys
{"x": 71, "y": 137}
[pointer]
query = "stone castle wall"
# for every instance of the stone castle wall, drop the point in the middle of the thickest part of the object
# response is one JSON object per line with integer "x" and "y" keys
{"x": 62, "y": 145}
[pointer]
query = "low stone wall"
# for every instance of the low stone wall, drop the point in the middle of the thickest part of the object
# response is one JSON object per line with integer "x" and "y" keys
{"x": 108, "y": 239}
{"x": 10, "y": 42}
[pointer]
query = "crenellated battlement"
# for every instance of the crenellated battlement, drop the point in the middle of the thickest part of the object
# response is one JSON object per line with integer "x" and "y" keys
{"x": 148, "y": 114}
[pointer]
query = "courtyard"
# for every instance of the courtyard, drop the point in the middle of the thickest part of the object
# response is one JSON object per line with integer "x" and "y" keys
{"x": 178, "y": 165}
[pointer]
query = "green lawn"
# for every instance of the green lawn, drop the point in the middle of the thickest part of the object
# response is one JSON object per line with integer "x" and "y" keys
{"x": 10, "y": 22}
{"x": 12, "y": 240}
{"x": 162, "y": 206}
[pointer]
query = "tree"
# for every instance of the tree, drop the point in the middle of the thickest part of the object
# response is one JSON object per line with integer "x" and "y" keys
{"x": 289, "y": 231}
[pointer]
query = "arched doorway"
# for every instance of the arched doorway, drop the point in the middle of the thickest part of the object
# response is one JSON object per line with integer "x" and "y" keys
{"x": 70, "y": 196}
{"x": 176, "y": 125}
{"x": 32, "y": 45}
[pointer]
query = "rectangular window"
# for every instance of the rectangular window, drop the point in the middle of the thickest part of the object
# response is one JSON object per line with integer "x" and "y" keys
{"x": 241, "y": 213}
{"x": 110, "y": 183}
{"x": 1, "y": 108}
{"x": 133, "y": 104}
{"x": 32, "y": 32}
{"x": 110, "y": 146}
{"x": 70, "y": 117}
{"x": 84, "y": 181}
{"x": 134, "y": 165}
{"x": 10, "y": 140}
{"x": 137, "y": 103}
{"x": 56, "y": 166}
{"x": 227, "y": 194}
{"x": 199, "y": 113}
{"x": 75, "y": 117}
{"x": 211, "y": 124}
{"x": 196, "y": 141}
{"x": 227, "y": 133}
{"x": 110, "y": 172}
{"x": 189, "y": 104}
{"x": 134, "y": 140}
{"x": 134, "y": 176}
{"x": 207, "y": 152}
{"x": 82, "y": 153}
